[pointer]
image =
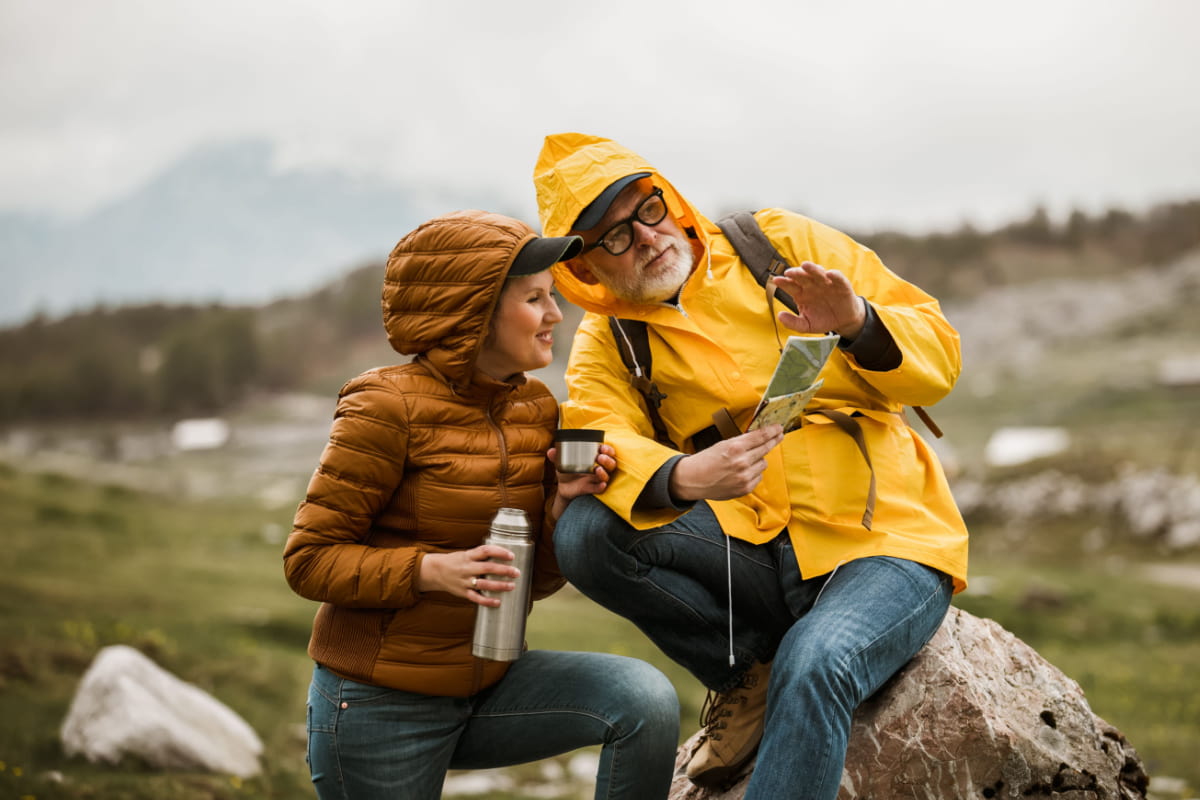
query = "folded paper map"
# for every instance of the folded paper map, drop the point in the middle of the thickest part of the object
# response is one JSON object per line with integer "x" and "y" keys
{"x": 794, "y": 382}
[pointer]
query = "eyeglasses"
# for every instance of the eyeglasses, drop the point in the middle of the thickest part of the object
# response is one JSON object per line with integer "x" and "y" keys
{"x": 619, "y": 238}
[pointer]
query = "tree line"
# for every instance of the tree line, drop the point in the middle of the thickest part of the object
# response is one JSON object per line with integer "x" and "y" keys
{"x": 128, "y": 362}
{"x": 967, "y": 261}
{"x": 171, "y": 361}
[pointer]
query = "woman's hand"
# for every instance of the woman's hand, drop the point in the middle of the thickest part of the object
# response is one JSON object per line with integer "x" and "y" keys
{"x": 466, "y": 573}
{"x": 572, "y": 485}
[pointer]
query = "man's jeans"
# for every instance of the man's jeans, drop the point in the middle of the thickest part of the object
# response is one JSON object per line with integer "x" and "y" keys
{"x": 371, "y": 743}
{"x": 834, "y": 638}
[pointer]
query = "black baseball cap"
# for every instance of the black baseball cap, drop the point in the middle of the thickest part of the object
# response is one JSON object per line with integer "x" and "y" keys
{"x": 590, "y": 216}
{"x": 544, "y": 252}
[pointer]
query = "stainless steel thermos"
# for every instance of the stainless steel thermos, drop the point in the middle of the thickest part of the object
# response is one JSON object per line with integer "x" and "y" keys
{"x": 500, "y": 632}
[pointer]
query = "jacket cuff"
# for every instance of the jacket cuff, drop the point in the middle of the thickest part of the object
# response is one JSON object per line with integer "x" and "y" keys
{"x": 656, "y": 493}
{"x": 874, "y": 348}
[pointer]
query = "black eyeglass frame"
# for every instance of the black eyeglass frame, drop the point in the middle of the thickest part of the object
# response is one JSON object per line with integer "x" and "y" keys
{"x": 636, "y": 216}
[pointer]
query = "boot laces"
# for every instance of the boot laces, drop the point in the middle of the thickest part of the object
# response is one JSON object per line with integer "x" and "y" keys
{"x": 716, "y": 707}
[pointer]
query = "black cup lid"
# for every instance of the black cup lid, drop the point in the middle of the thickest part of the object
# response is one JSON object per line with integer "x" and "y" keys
{"x": 578, "y": 435}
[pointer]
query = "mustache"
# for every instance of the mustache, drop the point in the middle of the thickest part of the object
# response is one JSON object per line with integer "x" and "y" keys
{"x": 644, "y": 262}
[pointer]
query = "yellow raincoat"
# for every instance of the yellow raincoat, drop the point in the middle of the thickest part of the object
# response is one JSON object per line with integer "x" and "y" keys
{"x": 718, "y": 348}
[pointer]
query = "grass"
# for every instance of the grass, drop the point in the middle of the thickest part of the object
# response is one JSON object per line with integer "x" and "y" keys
{"x": 196, "y": 587}
{"x": 199, "y": 588}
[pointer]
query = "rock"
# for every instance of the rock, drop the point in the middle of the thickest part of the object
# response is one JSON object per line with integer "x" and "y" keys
{"x": 126, "y": 705}
{"x": 977, "y": 714}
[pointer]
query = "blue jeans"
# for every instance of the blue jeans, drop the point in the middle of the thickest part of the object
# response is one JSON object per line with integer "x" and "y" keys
{"x": 370, "y": 743}
{"x": 834, "y": 639}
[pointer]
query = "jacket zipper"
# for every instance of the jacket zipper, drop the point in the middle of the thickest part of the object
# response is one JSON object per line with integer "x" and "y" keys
{"x": 503, "y": 458}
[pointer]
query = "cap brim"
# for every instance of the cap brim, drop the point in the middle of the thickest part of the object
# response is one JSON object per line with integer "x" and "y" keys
{"x": 590, "y": 217}
{"x": 544, "y": 252}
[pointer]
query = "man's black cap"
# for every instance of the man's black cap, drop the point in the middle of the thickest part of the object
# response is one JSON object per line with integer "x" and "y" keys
{"x": 590, "y": 217}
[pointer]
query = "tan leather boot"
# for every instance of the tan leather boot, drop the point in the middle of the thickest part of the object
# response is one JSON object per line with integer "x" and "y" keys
{"x": 733, "y": 727}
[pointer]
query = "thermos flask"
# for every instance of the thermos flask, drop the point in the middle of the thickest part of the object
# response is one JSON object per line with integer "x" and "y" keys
{"x": 500, "y": 632}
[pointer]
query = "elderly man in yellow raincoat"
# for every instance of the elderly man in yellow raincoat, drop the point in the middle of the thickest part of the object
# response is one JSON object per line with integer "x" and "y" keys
{"x": 794, "y": 573}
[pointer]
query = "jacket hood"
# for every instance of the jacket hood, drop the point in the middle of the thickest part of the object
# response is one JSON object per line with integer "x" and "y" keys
{"x": 442, "y": 283}
{"x": 571, "y": 171}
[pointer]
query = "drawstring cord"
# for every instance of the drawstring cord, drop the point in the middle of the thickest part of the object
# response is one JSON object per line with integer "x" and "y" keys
{"x": 729, "y": 585}
{"x": 826, "y": 583}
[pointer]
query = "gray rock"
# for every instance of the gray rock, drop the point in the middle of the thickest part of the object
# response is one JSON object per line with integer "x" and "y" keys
{"x": 126, "y": 705}
{"x": 977, "y": 714}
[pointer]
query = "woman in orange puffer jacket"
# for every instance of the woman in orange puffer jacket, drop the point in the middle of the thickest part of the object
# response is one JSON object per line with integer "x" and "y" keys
{"x": 389, "y": 540}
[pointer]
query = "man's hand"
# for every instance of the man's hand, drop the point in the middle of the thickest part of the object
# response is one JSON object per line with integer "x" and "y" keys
{"x": 728, "y": 469}
{"x": 825, "y": 301}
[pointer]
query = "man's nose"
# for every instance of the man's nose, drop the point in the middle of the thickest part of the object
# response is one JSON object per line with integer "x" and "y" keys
{"x": 643, "y": 233}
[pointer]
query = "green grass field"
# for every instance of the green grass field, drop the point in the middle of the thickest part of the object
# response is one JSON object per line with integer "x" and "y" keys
{"x": 199, "y": 588}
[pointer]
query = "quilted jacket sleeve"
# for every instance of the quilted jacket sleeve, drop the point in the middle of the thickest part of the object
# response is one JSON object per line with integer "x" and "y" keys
{"x": 327, "y": 558}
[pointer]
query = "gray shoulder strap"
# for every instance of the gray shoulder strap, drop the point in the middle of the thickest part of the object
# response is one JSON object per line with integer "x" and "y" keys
{"x": 757, "y": 252}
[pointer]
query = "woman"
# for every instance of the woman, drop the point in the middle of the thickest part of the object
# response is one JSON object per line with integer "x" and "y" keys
{"x": 388, "y": 539}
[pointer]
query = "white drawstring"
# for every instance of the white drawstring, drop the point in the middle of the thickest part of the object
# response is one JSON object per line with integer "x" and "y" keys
{"x": 729, "y": 584}
{"x": 637, "y": 368}
{"x": 826, "y": 583}
{"x": 708, "y": 259}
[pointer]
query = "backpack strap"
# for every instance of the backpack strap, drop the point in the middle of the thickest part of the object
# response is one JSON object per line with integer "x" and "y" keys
{"x": 633, "y": 343}
{"x": 758, "y": 254}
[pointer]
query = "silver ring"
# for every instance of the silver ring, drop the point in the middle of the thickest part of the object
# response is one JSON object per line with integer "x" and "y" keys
{"x": 474, "y": 580}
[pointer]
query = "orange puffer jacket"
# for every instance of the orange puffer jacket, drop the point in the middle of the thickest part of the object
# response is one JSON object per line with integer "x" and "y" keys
{"x": 420, "y": 457}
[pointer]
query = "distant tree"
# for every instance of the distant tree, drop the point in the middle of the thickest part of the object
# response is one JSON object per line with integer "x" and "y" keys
{"x": 356, "y": 307}
{"x": 1037, "y": 229}
{"x": 208, "y": 362}
{"x": 184, "y": 380}
{"x": 1077, "y": 230}
{"x": 103, "y": 381}
{"x": 1171, "y": 230}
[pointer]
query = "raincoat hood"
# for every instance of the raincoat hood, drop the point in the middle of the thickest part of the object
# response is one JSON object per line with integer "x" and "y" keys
{"x": 571, "y": 171}
{"x": 442, "y": 284}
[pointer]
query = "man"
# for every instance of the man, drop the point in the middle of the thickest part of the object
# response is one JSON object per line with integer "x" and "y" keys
{"x": 791, "y": 574}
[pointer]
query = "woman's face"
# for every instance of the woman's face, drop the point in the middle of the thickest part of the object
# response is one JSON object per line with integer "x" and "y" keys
{"x": 521, "y": 336}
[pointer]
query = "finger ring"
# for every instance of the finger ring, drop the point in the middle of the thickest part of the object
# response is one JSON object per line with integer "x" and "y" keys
{"x": 474, "y": 580}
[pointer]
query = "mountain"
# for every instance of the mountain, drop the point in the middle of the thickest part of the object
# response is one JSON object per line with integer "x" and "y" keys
{"x": 220, "y": 224}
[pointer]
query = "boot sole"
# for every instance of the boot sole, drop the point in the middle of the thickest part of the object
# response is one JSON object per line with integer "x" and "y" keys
{"x": 719, "y": 776}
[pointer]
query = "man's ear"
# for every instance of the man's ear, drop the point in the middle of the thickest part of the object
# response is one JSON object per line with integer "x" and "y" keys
{"x": 581, "y": 271}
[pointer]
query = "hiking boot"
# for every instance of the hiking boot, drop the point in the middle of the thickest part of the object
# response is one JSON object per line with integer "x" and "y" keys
{"x": 733, "y": 727}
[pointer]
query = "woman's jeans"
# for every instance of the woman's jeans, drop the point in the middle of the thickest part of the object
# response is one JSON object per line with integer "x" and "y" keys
{"x": 835, "y": 639}
{"x": 369, "y": 743}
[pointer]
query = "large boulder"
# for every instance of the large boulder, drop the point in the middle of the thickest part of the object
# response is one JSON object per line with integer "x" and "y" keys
{"x": 977, "y": 714}
{"x": 126, "y": 705}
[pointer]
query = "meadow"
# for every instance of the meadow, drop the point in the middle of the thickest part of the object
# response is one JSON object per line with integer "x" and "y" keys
{"x": 197, "y": 586}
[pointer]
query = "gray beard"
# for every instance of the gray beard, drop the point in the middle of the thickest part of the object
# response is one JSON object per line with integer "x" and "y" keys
{"x": 662, "y": 288}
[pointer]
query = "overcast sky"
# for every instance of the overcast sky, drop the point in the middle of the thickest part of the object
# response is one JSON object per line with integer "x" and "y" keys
{"x": 917, "y": 114}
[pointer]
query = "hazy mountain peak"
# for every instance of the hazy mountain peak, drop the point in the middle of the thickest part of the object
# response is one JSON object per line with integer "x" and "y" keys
{"x": 221, "y": 223}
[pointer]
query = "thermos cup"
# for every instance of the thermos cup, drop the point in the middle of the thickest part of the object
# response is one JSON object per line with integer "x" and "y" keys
{"x": 500, "y": 632}
{"x": 577, "y": 448}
